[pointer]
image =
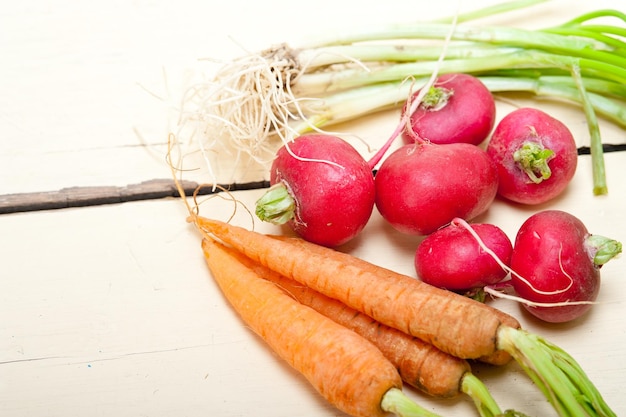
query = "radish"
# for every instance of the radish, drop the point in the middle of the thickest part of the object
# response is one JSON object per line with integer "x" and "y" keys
{"x": 556, "y": 265}
{"x": 457, "y": 108}
{"x": 535, "y": 154}
{"x": 421, "y": 187}
{"x": 322, "y": 187}
{"x": 451, "y": 257}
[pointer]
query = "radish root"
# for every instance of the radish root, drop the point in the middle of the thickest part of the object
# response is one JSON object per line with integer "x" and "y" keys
{"x": 194, "y": 209}
{"x": 492, "y": 291}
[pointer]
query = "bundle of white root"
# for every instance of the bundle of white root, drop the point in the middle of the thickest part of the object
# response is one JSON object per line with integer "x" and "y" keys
{"x": 256, "y": 103}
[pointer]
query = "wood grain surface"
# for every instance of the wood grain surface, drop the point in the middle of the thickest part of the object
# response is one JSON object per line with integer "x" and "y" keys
{"x": 106, "y": 305}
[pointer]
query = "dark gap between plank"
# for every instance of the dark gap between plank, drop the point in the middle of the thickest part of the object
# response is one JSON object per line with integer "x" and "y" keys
{"x": 146, "y": 190}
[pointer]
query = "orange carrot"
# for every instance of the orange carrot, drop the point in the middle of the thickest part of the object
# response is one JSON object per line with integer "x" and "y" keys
{"x": 420, "y": 364}
{"x": 499, "y": 357}
{"x": 347, "y": 370}
{"x": 455, "y": 324}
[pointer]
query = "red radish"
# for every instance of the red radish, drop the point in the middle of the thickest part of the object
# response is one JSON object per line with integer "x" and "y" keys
{"x": 322, "y": 187}
{"x": 422, "y": 187}
{"x": 556, "y": 260}
{"x": 536, "y": 156}
{"x": 452, "y": 258}
{"x": 457, "y": 108}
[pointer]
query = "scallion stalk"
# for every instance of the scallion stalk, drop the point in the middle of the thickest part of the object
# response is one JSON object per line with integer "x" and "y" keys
{"x": 595, "y": 143}
{"x": 354, "y": 103}
{"x": 491, "y": 10}
{"x": 329, "y": 82}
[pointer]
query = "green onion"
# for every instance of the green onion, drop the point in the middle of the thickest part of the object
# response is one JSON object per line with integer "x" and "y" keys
{"x": 367, "y": 100}
{"x": 256, "y": 103}
{"x": 491, "y": 10}
{"x": 599, "y": 174}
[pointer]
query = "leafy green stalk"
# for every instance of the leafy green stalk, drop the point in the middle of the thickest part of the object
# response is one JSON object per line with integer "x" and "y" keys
{"x": 328, "y": 82}
{"x": 353, "y": 103}
{"x": 602, "y": 249}
{"x": 478, "y": 392}
{"x": 595, "y": 142}
{"x": 544, "y": 86}
{"x": 496, "y": 35}
{"x": 545, "y": 79}
{"x": 276, "y": 206}
{"x": 599, "y": 33}
{"x": 595, "y": 14}
{"x": 490, "y": 10}
{"x": 360, "y": 55}
{"x": 562, "y": 381}
{"x": 533, "y": 159}
{"x": 395, "y": 401}
{"x": 604, "y": 34}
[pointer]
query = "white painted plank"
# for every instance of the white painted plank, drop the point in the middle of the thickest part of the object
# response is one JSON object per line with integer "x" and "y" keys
{"x": 110, "y": 310}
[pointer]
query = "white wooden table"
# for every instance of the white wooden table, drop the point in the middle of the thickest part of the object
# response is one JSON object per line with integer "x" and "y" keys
{"x": 110, "y": 310}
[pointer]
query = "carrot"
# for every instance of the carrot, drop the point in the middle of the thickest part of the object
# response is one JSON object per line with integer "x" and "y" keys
{"x": 456, "y": 324}
{"x": 399, "y": 301}
{"x": 499, "y": 357}
{"x": 347, "y": 370}
{"x": 420, "y": 364}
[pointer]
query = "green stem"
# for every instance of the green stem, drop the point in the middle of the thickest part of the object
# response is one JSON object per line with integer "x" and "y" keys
{"x": 562, "y": 381}
{"x": 392, "y": 54}
{"x": 576, "y": 27}
{"x": 532, "y": 158}
{"x": 496, "y": 35}
{"x": 478, "y": 392}
{"x": 395, "y": 401}
{"x": 545, "y": 80}
{"x": 490, "y": 10}
{"x": 595, "y": 14}
{"x": 436, "y": 98}
{"x": 611, "y": 109}
{"x": 602, "y": 249}
{"x": 276, "y": 206}
{"x": 595, "y": 142}
{"x": 598, "y": 33}
{"x": 328, "y": 82}
{"x": 353, "y": 103}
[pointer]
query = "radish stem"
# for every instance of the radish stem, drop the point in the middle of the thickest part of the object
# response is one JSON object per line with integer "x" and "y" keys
{"x": 276, "y": 205}
{"x": 602, "y": 249}
{"x": 436, "y": 98}
{"x": 533, "y": 158}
